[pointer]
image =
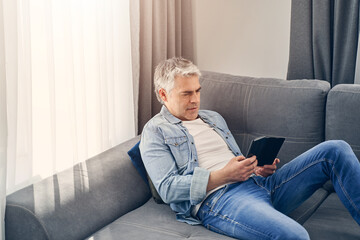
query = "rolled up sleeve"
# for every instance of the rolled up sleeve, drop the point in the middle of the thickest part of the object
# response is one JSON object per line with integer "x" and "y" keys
{"x": 199, "y": 184}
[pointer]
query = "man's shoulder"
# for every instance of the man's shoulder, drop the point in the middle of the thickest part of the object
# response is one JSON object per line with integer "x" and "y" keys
{"x": 159, "y": 123}
{"x": 155, "y": 121}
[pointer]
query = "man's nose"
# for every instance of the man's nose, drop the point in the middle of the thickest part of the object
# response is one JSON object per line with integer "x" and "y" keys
{"x": 195, "y": 97}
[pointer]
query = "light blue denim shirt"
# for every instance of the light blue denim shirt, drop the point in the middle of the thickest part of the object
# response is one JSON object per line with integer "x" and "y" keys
{"x": 170, "y": 158}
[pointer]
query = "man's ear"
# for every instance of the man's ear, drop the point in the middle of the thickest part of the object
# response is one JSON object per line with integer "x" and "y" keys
{"x": 162, "y": 94}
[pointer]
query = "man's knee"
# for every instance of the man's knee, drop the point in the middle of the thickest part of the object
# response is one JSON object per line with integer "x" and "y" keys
{"x": 336, "y": 147}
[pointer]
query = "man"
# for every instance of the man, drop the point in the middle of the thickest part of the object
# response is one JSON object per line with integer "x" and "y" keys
{"x": 197, "y": 167}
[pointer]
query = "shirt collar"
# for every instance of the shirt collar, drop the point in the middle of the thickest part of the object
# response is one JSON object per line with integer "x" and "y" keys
{"x": 174, "y": 120}
{"x": 168, "y": 116}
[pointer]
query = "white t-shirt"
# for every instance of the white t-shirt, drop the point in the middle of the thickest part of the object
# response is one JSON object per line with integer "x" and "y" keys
{"x": 213, "y": 152}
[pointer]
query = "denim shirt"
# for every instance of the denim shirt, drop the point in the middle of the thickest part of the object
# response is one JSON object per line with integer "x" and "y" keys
{"x": 170, "y": 158}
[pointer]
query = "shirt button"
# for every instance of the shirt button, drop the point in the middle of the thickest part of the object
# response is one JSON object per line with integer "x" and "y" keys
{"x": 227, "y": 137}
{"x": 192, "y": 142}
{"x": 195, "y": 160}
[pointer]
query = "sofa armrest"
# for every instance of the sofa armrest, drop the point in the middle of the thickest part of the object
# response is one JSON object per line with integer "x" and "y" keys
{"x": 77, "y": 202}
{"x": 342, "y": 115}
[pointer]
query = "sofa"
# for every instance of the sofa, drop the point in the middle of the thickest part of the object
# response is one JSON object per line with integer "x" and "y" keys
{"x": 105, "y": 197}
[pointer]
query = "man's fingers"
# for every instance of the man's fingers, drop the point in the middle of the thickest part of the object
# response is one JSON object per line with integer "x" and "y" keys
{"x": 251, "y": 167}
{"x": 264, "y": 172}
{"x": 270, "y": 167}
{"x": 276, "y": 161}
{"x": 268, "y": 170}
{"x": 239, "y": 158}
{"x": 250, "y": 160}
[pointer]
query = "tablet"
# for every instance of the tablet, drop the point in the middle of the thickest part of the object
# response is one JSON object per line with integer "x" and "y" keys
{"x": 266, "y": 149}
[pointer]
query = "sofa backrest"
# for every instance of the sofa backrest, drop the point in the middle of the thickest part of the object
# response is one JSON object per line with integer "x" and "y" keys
{"x": 77, "y": 202}
{"x": 343, "y": 115}
{"x": 254, "y": 107}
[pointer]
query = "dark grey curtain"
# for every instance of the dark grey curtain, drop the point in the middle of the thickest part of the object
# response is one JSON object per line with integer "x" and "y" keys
{"x": 324, "y": 40}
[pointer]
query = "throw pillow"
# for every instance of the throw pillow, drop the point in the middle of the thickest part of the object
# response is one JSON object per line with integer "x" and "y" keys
{"x": 135, "y": 156}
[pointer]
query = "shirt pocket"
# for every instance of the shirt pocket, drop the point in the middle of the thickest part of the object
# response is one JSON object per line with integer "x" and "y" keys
{"x": 230, "y": 141}
{"x": 180, "y": 150}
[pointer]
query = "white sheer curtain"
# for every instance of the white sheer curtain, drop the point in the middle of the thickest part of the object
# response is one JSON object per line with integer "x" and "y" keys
{"x": 68, "y": 84}
{"x": 3, "y": 129}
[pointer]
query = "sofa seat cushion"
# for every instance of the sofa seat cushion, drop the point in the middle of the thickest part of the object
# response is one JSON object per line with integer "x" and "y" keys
{"x": 153, "y": 221}
{"x": 332, "y": 221}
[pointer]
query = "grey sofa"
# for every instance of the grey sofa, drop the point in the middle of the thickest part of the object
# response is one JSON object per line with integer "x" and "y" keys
{"x": 105, "y": 197}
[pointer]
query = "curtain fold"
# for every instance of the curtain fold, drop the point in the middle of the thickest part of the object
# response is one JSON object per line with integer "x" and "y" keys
{"x": 165, "y": 30}
{"x": 324, "y": 40}
{"x": 357, "y": 67}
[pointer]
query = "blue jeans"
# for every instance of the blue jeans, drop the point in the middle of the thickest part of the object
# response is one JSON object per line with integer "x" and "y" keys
{"x": 257, "y": 208}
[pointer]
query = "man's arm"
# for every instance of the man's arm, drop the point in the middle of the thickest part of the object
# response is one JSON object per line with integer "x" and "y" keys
{"x": 238, "y": 169}
{"x": 164, "y": 173}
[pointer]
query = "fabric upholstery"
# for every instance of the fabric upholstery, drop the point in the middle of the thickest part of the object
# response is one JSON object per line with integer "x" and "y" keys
{"x": 253, "y": 107}
{"x": 79, "y": 201}
{"x": 342, "y": 115}
{"x": 332, "y": 221}
{"x": 153, "y": 222}
{"x": 106, "y": 198}
{"x": 304, "y": 211}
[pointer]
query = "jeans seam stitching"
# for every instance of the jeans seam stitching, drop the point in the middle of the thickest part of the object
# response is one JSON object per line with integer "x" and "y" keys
{"x": 297, "y": 173}
{"x": 258, "y": 184}
{"x": 217, "y": 229}
{"x": 344, "y": 191}
{"x": 245, "y": 227}
{"x": 217, "y": 198}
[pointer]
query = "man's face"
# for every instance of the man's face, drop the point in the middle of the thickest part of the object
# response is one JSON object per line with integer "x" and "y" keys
{"x": 184, "y": 99}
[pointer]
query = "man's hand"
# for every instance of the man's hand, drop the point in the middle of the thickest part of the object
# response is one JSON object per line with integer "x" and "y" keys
{"x": 267, "y": 170}
{"x": 238, "y": 169}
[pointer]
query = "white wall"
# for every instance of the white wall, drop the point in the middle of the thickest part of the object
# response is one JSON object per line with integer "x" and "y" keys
{"x": 242, "y": 37}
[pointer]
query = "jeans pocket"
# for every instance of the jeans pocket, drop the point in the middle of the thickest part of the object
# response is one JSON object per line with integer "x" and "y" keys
{"x": 215, "y": 198}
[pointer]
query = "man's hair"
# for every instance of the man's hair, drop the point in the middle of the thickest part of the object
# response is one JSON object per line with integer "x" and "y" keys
{"x": 168, "y": 70}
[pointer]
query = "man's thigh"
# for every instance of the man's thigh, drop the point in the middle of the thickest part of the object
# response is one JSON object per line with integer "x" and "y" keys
{"x": 244, "y": 211}
{"x": 297, "y": 180}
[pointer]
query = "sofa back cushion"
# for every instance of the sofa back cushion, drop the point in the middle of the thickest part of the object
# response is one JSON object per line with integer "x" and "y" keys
{"x": 343, "y": 115}
{"x": 254, "y": 107}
